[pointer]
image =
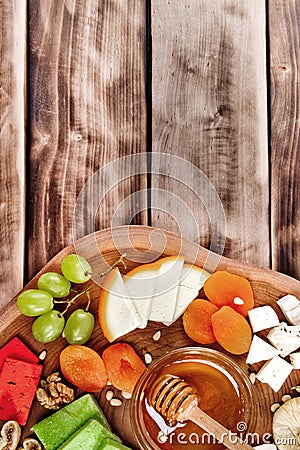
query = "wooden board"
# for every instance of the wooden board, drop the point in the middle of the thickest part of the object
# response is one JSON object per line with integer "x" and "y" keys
{"x": 12, "y": 144}
{"x": 209, "y": 107}
{"x": 284, "y": 25}
{"x": 87, "y": 108}
{"x": 268, "y": 286}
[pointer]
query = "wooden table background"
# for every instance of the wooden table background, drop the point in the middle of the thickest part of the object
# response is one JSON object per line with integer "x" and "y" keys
{"x": 84, "y": 82}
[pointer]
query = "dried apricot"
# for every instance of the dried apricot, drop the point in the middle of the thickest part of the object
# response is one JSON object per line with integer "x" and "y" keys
{"x": 232, "y": 330}
{"x": 123, "y": 366}
{"x": 224, "y": 288}
{"x": 197, "y": 321}
{"x": 83, "y": 368}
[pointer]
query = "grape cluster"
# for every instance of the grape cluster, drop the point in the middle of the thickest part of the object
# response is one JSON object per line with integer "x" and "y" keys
{"x": 52, "y": 287}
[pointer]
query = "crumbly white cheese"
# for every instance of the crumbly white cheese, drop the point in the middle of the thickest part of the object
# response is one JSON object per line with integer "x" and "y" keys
{"x": 275, "y": 372}
{"x": 295, "y": 360}
{"x": 262, "y": 318}
{"x": 290, "y": 306}
{"x": 286, "y": 338}
{"x": 260, "y": 351}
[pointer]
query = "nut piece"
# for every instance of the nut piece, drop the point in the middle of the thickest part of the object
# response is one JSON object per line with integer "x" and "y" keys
{"x": 157, "y": 335}
{"x": 116, "y": 402}
{"x": 286, "y": 397}
{"x": 10, "y": 435}
{"x": 31, "y": 444}
{"x": 252, "y": 377}
{"x": 126, "y": 395}
{"x": 238, "y": 301}
{"x": 53, "y": 393}
{"x": 42, "y": 355}
{"x": 274, "y": 407}
{"x": 109, "y": 395}
{"x": 148, "y": 358}
{"x": 54, "y": 377}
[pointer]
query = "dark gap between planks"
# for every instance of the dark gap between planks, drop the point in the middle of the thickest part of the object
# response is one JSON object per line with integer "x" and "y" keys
{"x": 148, "y": 90}
{"x": 269, "y": 125}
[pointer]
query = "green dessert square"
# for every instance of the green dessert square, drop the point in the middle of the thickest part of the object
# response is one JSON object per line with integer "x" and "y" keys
{"x": 86, "y": 408}
{"x": 58, "y": 427}
{"x": 88, "y": 437}
{"x": 110, "y": 444}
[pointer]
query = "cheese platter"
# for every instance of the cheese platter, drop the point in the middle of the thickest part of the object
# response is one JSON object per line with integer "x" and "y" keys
{"x": 159, "y": 332}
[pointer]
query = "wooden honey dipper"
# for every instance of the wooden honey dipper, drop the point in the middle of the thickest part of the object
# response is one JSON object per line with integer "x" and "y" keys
{"x": 176, "y": 401}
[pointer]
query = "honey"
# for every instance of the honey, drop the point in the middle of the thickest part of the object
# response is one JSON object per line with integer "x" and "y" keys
{"x": 223, "y": 389}
{"x": 218, "y": 395}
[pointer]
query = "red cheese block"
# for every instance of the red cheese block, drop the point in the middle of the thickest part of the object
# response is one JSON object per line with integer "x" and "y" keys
{"x": 18, "y": 383}
{"x": 17, "y": 350}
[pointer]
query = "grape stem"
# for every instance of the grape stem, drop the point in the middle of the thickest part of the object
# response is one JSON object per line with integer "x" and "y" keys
{"x": 120, "y": 260}
{"x": 89, "y": 300}
{"x": 71, "y": 301}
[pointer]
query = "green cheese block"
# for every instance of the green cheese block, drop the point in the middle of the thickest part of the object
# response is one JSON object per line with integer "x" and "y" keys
{"x": 58, "y": 427}
{"x": 88, "y": 437}
{"x": 110, "y": 444}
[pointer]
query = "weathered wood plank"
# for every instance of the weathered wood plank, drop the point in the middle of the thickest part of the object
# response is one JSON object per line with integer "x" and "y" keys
{"x": 284, "y": 26}
{"x": 87, "y": 109}
{"x": 209, "y": 107}
{"x": 12, "y": 125}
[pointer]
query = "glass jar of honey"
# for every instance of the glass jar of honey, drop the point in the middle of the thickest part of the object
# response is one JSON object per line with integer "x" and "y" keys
{"x": 223, "y": 389}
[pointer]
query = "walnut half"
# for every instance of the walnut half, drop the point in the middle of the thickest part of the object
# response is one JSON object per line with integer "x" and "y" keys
{"x": 53, "y": 392}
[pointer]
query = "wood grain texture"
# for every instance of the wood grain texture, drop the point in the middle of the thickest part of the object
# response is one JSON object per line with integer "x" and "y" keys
{"x": 209, "y": 107}
{"x": 267, "y": 285}
{"x": 284, "y": 26}
{"x": 87, "y": 108}
{"x": 12, "y": 144}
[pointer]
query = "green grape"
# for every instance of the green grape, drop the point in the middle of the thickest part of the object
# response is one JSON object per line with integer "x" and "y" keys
{"x": 48, "y": 326}
{"x": 54, "y": 283}
{"x": 76, "y": 268}
{"x": 79, "y": 327}
{"x": 34, "y": 302}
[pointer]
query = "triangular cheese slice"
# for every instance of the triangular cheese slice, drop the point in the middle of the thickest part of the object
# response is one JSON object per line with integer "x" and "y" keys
{"x": 141, "y": 284}
{"x": 117, "y": 313}
{"x": 165, "y": 297}
{"x": 260, "y": 351}
{"x": 192, "y": 280}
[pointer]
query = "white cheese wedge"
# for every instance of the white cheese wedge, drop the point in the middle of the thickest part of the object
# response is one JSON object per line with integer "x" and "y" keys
{"x": 193, "y": 277}
{"x": 192, "y": 280}
{"x": 166, "y": 290}
{"x": 275, "y": 372}
{"x": 260, "y": 351}
{"x": 117, "y": 313}
{"x": 286, "y": 338}
{"x": 262, "y": 318}
{"x": 295, "y": 360}
{"x": 141, "y": 284}
{"x": 290, "y": 306}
